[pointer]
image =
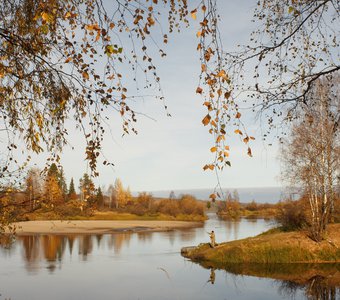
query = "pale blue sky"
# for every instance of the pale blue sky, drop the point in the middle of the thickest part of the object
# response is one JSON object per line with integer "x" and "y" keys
{"x": 169, "y": 152}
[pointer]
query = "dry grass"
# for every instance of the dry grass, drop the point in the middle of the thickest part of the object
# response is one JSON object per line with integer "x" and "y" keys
{"x": 274, "y": 247}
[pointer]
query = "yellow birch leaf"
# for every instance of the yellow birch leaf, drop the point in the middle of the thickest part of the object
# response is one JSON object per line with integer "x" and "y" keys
{"x": 238, "y": 115}
{"x": 97, "y": 36}
{"x": 213, "y": 149}
{"x": 222, "y": 74}
{"x": 47, "y": 17}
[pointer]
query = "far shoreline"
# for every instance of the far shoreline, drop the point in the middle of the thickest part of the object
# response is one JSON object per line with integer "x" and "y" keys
{"x": 98, "y": 226}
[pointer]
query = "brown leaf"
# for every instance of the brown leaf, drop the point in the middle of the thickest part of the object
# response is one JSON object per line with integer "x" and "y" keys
{"x": 206, "y": 120}
{"x": 238, "y": 131}
{"x": 193, "y": 14}
{"x": 199, "y": 90}
{"x": 227, "y": 95}
{"x": 238, "y": 115}
{"x": 246, "y": 139}
{"x": 249, "y": 152}
{"x": 85, "y": 75}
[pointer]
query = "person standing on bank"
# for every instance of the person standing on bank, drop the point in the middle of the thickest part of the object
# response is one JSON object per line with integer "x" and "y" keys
{"x": 212, "y": 239}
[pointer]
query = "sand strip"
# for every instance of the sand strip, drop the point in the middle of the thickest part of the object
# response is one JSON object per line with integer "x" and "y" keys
{"x": 90, "y": 227}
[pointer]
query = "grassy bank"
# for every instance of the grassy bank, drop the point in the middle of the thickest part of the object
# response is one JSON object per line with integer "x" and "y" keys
{"x": 273, "y": 246}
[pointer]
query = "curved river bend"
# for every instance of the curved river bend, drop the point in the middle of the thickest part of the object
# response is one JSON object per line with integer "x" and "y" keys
{"x": 133, "y": 266}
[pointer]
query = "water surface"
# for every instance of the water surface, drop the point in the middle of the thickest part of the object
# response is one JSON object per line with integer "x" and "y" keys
{"x": 132, "y": 266}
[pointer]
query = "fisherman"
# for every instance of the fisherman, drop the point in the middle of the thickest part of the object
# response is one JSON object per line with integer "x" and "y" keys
{"x": 212, "y": 239}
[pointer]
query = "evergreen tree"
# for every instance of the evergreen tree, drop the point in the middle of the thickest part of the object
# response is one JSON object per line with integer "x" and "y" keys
{"x": 100, "y": 198}
{"x": 54, "y": 185}
{"x": 54, "y": 171}
{"x": 72, "y": 191}
{"x": 86, "y": 187}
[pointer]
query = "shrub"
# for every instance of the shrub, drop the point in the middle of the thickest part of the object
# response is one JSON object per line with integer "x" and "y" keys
{"x": 292, "y": 215}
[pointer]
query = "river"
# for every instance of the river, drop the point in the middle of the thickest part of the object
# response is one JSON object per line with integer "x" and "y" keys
{"x": 133, "y": 266}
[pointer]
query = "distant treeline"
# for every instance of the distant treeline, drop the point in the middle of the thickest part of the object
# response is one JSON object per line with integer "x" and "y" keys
{"x": 290, "y": 214}
{"x": 47, "y": 196}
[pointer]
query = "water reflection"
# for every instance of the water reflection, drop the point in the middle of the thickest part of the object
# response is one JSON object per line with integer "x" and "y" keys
{"x": 130, "y": 265}
{"x": 316, "y": 281}
{"x": 52, "y": 248}
{"x": 212, "y": 276}
{"x": 316, "y": 288}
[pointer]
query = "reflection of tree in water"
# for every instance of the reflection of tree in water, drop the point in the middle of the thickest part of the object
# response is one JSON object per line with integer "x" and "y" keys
{"x": 6, "y": 242}
{"x": 31, "y": 251}
{"x": 117, "y": 241}
{"x": 316, "y": 281}
{"x": 54, "y": 247}
{"x": 85, "y": 246}
{"x": 99, "y": 238}
{"x": 144, "y": 237}
{"x": 316, "y": 288}
{"x": 71, "y": 239}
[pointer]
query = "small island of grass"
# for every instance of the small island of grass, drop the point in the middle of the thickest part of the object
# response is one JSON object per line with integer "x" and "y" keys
{"x": 273, "y": 246}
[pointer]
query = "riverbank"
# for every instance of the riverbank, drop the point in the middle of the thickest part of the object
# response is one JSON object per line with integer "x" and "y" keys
{"x": 272, "y": 246}
{"x": 98, "y": 227}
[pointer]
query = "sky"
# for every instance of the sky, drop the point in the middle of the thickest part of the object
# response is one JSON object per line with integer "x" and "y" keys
{"x": 169, "y": 152}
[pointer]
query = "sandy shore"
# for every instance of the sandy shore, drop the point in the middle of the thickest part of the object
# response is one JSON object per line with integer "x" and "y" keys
{"x": 83, "y": 227}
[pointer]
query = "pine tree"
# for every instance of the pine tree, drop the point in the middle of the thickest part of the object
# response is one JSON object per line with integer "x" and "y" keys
{"x": 86, "y": 187}
{"x": 54, "y": 171}
{"x": 72, "y": 191}
{"x": 100, "y": 198}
